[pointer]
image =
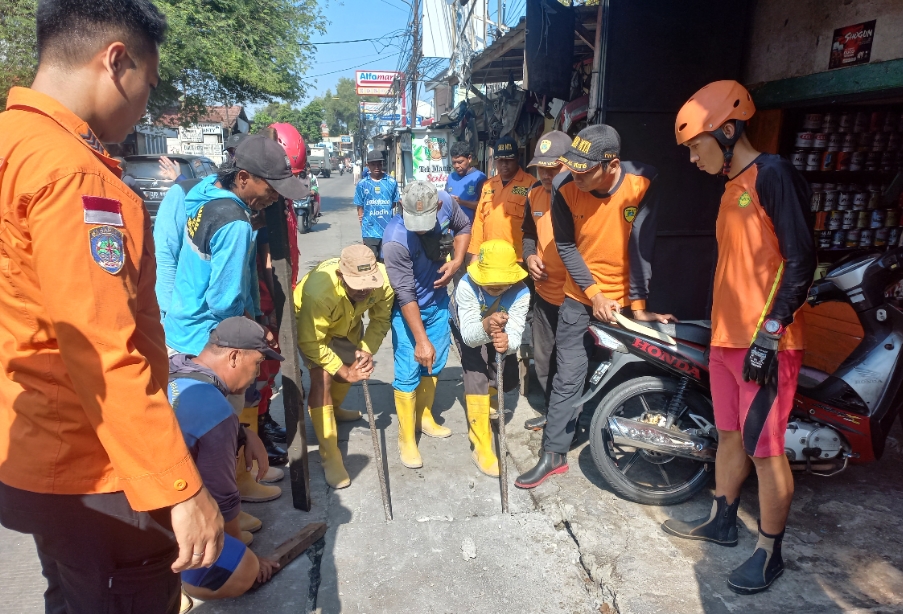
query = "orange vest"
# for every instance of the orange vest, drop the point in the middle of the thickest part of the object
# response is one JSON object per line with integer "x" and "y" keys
{"x": 551, "y": 289}
{"x": 500, "y": 212}
{"x": 83, "y": 405}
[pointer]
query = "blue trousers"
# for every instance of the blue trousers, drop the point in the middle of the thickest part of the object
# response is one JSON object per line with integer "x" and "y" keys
{"x": 407, "y": 370}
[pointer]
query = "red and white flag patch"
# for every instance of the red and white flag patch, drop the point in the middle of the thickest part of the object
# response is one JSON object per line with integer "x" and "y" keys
{"x": 99, "y": 210}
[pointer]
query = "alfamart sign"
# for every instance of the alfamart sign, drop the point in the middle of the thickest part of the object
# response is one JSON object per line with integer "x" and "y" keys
{"x": 376, "y": 82}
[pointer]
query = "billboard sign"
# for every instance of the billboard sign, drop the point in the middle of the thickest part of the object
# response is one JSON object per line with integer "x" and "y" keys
{"x": 376, "y": 82}
{"x": 430, "y": 156}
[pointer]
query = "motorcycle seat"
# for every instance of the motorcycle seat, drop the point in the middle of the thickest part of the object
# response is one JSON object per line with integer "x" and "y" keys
{"x": 691, "y": 331}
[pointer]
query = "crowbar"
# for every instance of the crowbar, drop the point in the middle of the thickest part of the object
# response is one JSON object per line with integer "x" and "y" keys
{"x": 503, "y": 447}
{"x": 380, "y": 469}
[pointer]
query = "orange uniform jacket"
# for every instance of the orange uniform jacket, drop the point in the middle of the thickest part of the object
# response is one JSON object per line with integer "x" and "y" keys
{"x": 766, "y": 254}
{"x": 606, "y": 240}
{"x": 539, "y": 240}
{"x": 500, "y": 212}
{"x": 83, "y": 405}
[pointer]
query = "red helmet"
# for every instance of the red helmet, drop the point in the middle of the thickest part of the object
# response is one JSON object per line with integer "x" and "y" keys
{"x": 293, "y": 144}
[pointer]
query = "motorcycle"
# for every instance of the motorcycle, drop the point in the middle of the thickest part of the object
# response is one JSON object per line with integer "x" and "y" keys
{"x": 308, "y": 212}
{"x": 341, "y": 170}
{"x": 653, "y": 437}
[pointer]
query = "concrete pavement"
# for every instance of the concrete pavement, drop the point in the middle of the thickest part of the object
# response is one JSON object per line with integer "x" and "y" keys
{"x": 568, "y": 546}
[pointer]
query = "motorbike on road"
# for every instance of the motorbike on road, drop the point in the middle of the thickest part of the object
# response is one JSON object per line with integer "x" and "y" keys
{"x": 653, "y": 437}
{"x": 308, "y": 209}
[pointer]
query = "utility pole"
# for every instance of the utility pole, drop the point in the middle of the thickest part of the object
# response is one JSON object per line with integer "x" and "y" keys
{"x": 414, "y": 77}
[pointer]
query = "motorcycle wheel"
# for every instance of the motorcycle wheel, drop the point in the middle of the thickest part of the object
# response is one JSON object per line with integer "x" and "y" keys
{"x": 304, "y": 223}
{"x": 644, "y": 476}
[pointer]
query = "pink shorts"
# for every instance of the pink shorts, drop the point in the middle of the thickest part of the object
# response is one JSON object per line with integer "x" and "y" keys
{"x": 759, "y": 413}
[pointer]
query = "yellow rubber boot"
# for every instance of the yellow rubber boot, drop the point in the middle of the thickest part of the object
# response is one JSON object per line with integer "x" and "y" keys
{"x": 246, "y": 538}
{"x": 480, "y": 434}
{"x": 251, "y": 490}
{"x": 405, "y": 408}
{"x": 323, "y": 420}
{"x": 493, "y": 402}
{"x": 338, "y": 391}
{"x": 248, "y": 416}
{"x": 425, "y": 395}
{"x": 249, "y": 523}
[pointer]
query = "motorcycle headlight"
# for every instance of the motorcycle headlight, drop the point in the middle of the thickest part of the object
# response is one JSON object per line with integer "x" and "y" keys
{"x": 605, "y": 340}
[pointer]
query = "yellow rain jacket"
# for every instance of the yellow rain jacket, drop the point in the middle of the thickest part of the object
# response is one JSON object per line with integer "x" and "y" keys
{"x": 324, "y": 312}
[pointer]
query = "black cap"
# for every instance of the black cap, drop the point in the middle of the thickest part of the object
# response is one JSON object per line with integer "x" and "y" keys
{"x": 265, "y": 158}
{"x": 235, "y": 140}
{"x": 374, "y": 156}
{"x": 241, "y": 333}
{"x": 505, "y": 147}
{"x": 592, "y": 146}
{"x": 550, "y": 147}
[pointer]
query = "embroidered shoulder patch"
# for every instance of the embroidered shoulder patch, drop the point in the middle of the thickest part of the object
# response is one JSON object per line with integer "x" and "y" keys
{"x": 630, "y": 214}
{"x": 107, "y": 248}
{"x": 745, "y": 199}
{"x": 520, "y": 190}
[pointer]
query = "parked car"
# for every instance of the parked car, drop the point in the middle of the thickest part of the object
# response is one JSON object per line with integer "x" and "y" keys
{"x": 148, "y": 179}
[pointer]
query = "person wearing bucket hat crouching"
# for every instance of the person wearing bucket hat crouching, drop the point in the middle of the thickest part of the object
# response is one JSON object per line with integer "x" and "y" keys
{"x": 416, "y": 249}
{"x": 490, "y": 313}
{"x": 604, "y": 226}
{"x": 330, "y": 303}
{"x": 543, "y": 262}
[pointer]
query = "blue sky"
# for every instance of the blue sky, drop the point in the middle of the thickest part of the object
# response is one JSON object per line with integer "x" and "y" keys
{"x": 352, "y": 20}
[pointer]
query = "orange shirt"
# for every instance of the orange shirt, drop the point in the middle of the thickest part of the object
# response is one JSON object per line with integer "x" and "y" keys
{"x": 539, "y": 217}
{"x": 83, "y": 404}
{"x": 605, "y": 229}
{"x": 755, "y": 278}
{"x": 500, "y": 212}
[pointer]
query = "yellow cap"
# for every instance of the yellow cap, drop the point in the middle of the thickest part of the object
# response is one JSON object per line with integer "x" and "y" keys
{"x": 496, "y": 265}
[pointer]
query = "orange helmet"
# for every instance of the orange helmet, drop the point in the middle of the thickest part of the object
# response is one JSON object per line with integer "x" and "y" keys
{"x": 710, "y": 107}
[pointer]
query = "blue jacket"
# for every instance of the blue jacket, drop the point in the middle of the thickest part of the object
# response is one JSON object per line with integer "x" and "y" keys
{"x": 214, "y": 274}
{"x": 169, "y": 228}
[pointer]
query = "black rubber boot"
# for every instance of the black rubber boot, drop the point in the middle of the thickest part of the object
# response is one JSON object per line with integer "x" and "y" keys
{"x": 266, "y": 424}
{"x": 536, "y": 424}
{"x": 762, "y": 568}
{"x": 277, "y": 455}
{"x": 550, "y": 463}
{"x": 719, "y": 527}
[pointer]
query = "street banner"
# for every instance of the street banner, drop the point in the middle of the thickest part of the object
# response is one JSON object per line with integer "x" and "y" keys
{"x": 376, "y": 82}
{"x": 429, "y": 151}
{"x": 438, "y": 21}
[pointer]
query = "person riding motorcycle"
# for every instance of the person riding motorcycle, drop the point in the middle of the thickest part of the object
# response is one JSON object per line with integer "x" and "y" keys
{"x": 766, "y": 263}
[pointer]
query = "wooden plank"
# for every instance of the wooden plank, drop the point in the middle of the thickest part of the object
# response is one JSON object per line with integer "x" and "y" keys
{"x": 764, "y": 130}
{"x": 292, "y": 395}
{"x": 294, "y": 546}
{"x": 832, "y": 333}
{"x": 855, "y": 80}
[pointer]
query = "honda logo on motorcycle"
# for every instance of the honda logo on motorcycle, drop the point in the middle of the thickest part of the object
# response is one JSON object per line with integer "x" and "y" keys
{"x": 671, "y": 359}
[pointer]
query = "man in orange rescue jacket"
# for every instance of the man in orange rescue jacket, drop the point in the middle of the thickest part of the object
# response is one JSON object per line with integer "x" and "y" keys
{"x": 92, "y": 460}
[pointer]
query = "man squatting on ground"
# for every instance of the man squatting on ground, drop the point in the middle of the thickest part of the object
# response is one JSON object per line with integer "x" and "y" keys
{"x": 543, "y": 262}
{"x": 766, "y": 262}
{"x": 330, "y": 303}
{"x": 490, "y": 313}
{"x": 416, "y": 247}
{"x": 604, "y": 225}
{"x": 375, "y": 197}
{"x": 92, "y": 460}
{"x": 198, "y": 391}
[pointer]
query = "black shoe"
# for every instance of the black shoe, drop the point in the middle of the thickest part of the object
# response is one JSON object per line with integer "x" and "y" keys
{"x": 266, "y": 424}
{"x": 719, "y": 527}
{"x": 535, "y": 424}
{"x": 761, "y": 569}
{"x": 550, "y": 463}
{"x": 278, "y": 456}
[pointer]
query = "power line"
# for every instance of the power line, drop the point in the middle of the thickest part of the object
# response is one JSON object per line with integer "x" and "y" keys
{"x": 351, "y": 67}
{"x": 360, "y": 40}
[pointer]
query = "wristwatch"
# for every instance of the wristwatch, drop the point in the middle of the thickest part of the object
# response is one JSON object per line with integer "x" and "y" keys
{"x": 773, "y": 327}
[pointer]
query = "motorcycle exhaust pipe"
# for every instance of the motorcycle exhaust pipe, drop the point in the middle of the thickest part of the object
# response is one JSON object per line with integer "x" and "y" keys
{"x": 656, "y": 439}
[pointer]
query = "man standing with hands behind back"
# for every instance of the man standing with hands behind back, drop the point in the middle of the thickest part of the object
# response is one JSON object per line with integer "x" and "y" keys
{"x": 92, "y": 460}
{"x": 375, "y": 197}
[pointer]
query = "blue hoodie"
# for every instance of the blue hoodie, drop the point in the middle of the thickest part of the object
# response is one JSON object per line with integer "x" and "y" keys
{"x": 213, "y": 278}
{"x": 169, "y": 229}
